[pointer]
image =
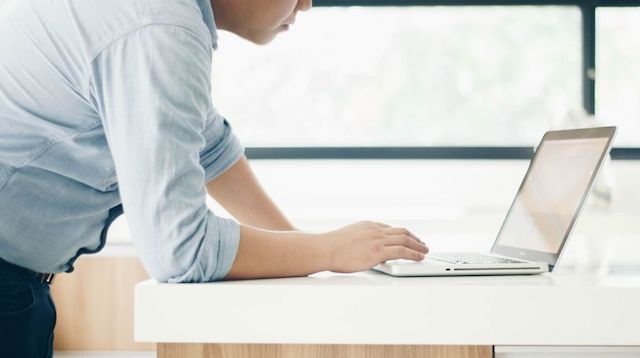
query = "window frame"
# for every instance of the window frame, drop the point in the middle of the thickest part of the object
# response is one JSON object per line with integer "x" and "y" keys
{"x": 588, "y": 10}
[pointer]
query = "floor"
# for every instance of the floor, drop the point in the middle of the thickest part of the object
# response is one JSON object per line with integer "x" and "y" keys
{"x": 104, "y": 354}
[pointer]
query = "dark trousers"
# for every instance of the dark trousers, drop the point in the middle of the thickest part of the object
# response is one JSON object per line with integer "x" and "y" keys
{"x": 27, "y": 314}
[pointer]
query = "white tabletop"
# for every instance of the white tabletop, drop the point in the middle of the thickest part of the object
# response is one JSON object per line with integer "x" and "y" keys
{"x": 559, "y": 308}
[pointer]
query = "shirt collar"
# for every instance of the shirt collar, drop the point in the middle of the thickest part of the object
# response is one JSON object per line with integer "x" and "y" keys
{"x": 209, "y": 20}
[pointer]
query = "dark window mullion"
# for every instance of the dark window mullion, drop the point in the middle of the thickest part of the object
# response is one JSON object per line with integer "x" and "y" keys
{"x": 616, "y": 3}
{"x": 322, "y": 3}
{"x": 443, "y": 153}
{"x": 596, "y": 3}
{"x": 588, "y": 56}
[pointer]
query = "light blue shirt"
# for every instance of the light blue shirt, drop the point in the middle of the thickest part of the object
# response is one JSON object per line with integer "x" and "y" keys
{"x": 108, "y": 102}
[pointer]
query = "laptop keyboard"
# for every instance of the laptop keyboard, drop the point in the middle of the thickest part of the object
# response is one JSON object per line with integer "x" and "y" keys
{"x": 471, "y": 259}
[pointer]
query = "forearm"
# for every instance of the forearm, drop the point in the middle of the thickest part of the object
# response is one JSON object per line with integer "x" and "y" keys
{"x": 240, "y": 193}
{"x": 357, "y": 247}
{"x": 270, "y": 254}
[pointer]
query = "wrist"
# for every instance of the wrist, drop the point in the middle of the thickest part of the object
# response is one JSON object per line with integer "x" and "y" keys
{"x": 313, "y": 253}
{"x": 326, "y": 249}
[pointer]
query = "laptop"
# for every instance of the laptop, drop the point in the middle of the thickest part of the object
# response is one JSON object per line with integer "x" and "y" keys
{"x": 542, "y": 215}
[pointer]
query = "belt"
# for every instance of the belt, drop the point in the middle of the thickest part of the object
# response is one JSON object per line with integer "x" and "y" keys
{"x": 41, "y": 277}
{"x": 45, "y": 277}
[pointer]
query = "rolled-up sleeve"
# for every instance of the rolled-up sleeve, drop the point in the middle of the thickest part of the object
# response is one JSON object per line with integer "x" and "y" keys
{"x": 152, "y": 90}
{"x": 223, "y": 149}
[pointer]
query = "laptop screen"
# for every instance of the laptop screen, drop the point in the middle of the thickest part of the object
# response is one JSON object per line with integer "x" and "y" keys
{"x": 550, "y": 197}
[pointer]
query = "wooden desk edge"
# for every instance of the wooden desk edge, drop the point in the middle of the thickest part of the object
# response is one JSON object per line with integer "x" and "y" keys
{"x": 208, "y": 350}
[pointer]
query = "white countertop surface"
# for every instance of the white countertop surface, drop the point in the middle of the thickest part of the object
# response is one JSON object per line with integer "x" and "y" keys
{"x": 559, "y": 308}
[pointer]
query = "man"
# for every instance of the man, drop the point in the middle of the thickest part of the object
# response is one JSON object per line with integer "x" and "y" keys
{"x": 105, "y": 105}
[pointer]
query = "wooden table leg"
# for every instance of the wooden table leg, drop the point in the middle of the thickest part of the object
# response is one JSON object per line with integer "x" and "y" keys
{"x": 183, "y": 350}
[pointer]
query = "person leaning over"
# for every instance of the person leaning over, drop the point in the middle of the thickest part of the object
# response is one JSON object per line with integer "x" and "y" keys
{"x": 105, "y": 107}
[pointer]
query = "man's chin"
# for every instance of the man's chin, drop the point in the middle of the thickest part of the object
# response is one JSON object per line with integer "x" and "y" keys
{"x": 262, "y": 38}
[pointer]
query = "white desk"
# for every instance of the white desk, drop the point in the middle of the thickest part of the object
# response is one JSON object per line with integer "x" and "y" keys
{"x": 369, "y": 308}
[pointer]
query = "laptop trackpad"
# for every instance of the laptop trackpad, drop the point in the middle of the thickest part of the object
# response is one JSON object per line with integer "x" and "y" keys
{"x": 426, "y": 261}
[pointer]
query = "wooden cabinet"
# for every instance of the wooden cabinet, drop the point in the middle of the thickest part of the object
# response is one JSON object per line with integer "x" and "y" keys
{"x": 95, "y": 304}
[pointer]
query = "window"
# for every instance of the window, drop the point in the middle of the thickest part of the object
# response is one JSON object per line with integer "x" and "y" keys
{"x": 618, "y": 71}
{"x": 394, "y": 77}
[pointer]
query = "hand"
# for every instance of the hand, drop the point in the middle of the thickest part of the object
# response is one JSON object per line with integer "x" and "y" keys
{"x": 361, "y": 246}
